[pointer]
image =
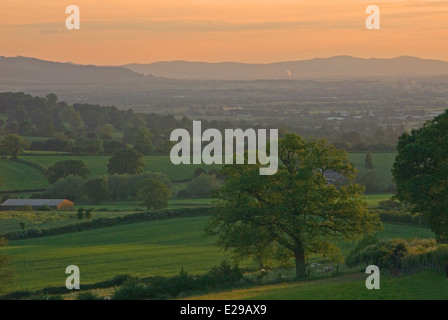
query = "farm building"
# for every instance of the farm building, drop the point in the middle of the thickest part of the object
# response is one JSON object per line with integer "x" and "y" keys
{"x": 56, "y": 204}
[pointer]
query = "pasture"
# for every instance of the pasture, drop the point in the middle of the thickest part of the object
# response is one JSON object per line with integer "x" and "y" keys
{"x": 20, "y": 176}
{"x": 145, "y": 249}
{"x": 153, "y": 163}
{"x": 420, "y": 286}
{"x": 382, "y": 162}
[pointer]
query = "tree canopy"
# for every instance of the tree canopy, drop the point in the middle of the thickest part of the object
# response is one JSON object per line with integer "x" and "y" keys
{"x": 12, "y": 145}
{"x": 66, "y": 168}
{"x": 154, "y": 193}
{"x": 421, "y": 173}
{"x": 97, "y": 190}
{"x": 126, "y": 161}
{"x": 297, "y": 210}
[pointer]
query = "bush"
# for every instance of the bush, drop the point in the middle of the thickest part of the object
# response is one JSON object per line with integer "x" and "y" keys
{"x": 200, "y": 187}
{"x": 155, "y": 194}
{"x": 97, "y": 190}
{"x": 401, "y": 216}
{"x": 43, "y": 208}
{"x": 16, "y": 295}
{"x": 400, "y": 255}
{"x": 24, "y": 208}
{"x": 71, "y": 188}
{"x": 199, "y": 172}
{"x": 384, "y": 254}
{"x": 223, "y": 276}
{"x": 67, "y": 168}
{"x": 427, "y": 257}
{"x": 132, "y": 291}
{"x": 123, "y": 186}
{"x": 389, "y": 204}
{"x": 87, "y": 296}
{"x": 374, "y": 181}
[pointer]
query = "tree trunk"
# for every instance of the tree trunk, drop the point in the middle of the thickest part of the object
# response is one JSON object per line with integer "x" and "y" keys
{"x": 300, "y": 258}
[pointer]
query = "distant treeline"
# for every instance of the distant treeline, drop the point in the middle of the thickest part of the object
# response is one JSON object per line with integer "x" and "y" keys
{"x": 94, "y": 129}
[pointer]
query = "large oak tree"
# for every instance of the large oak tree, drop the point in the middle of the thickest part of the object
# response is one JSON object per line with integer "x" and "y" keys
{"x": 296, "y": 210}
{"x": 421, "y": 173}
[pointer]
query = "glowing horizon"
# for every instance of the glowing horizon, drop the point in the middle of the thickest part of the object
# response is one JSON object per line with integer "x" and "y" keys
{"x": 250, "y": 31}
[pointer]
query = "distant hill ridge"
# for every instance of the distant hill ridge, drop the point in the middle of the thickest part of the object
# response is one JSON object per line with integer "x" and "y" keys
{"x": 24, "y": 70}
{"x": 338, "y": 67}
{"x": 31, "y": 70}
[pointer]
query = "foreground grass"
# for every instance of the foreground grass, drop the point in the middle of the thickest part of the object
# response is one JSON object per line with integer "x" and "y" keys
{"x": 145, "y": 249}
{"x": 425, "y": 285}
{"x": 150, "y": 248}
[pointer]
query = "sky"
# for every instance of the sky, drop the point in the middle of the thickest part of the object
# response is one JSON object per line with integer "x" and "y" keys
{"x": 116, "y": 32}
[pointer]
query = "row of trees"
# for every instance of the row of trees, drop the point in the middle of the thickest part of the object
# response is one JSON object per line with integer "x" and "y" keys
{"x": 152, "y": 188}
{"x": 94, "y": 129}
{"x": 126, "y": 161}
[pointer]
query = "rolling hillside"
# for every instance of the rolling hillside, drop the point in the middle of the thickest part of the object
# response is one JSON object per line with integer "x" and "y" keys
{"x": 421, "y": 286}
{"x": 146, "y": 249}
{"x": 19, "y": 176}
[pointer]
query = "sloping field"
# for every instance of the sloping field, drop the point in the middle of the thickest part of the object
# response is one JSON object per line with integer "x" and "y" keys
{"x": 20, "y": 176}
{"x": 150, "y": 248}
{"x": 425, "y": 285}
{"x": 98, "y": 164}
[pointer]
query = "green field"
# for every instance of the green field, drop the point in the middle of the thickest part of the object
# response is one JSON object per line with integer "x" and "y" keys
{"x": 162, "y": 163}
{"x": 425, "y": 285}
{"x": 10, "y": 221}
{"x": 20, "y": 176}
{"x": 150, "y": 248}
{"x": 374, "y": 199}
{"x": 382, "y": 161}
{"x": 98, "y": 164}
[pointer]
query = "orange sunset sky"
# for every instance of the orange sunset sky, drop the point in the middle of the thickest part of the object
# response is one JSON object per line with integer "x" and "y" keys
{"x": 117, "y": 32}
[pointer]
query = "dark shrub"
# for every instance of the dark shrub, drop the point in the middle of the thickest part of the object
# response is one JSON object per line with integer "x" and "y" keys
{"x": 24, "y": 208}
{"x": 43, "y": 208}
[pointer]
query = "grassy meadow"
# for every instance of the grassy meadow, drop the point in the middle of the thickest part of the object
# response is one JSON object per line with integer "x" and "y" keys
{"x": 151, "y": 248}
{"x": 20, "y": 176}
{"x": 382, "y": 162}
{"x": 420, "y": 286}
{"x": 98, "y": 164}
{"x": 163, "y": 247}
